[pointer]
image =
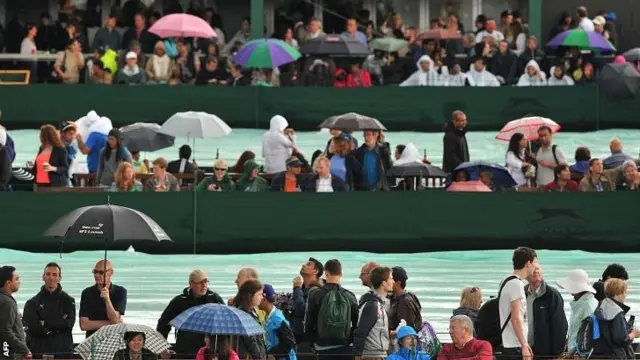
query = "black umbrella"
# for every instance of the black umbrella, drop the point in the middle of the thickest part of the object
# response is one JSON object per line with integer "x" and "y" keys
{"x": 335, "y": 45}
{"x": 109, "y": 223}
{"x": 416, "y": 169}
{"x": 352, "y": 121}
{"x": 632, "y": 55}
{"x": 145, "y": 137}
{"x": 619, "y": 80}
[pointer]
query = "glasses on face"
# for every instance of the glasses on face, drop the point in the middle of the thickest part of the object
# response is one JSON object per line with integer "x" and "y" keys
{"x": 220, "y": 169}
{"x": 201, "y": 282}
{"x": 99, "y": 272}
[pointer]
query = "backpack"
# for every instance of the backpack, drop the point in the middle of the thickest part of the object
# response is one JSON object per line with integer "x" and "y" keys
{"x": 588, "y": 333}
{"x": 488, "y": 326}
{"x": 428, "y": 341}
{"x": 284, "y": 302}
{"x": 334, "y": 317}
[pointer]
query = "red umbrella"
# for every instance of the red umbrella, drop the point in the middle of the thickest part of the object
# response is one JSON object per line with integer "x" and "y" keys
{"x": 527, "y": 126}
{"x": 439, "y": 34}
{"x": 468, "y": 186}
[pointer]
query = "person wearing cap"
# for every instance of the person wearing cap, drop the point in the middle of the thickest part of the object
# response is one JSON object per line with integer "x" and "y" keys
{"x": 598, "y": 25}
{"x": 547, "y": 321}
{"x": 407, "y": 346}
{"x": 404, "y": 305}
{"x": 583, "y": 305}
{"x": 108, "y": 36}
{"x": 289, "y": 180}
{"x": 281, "y": 342}
{"x": 197, "y": 293}
{"x": 110, "y": 157}
{"x": 159, "y": 68}
{"x": 131, "y": 74}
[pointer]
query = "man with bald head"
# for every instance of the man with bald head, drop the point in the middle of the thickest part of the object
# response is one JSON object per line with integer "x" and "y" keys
{"x": 244, "y": 275}
{"x": 617, "y": 157}
{"x": 103, "y": 303}
{"x": 545, "y": 317}
{"x": 365, "y": 273}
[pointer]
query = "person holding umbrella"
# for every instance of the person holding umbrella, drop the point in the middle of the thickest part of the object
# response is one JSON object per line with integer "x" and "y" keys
{"x": 135, "y": 348}
{"x": 103, "y": 303}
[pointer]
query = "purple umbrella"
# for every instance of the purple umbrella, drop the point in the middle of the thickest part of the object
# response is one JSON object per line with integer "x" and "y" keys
{"x": 584, "y": 40}
{"x": 265, "y": 54}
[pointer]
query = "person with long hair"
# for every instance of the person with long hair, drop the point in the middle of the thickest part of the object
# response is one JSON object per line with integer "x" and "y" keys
{"x": 110, "y": 158}
{"x": 217, "y": 347}
{"x": 343, "y": 163}
{"x": 238, "y": 168}
{"x": 470, "y": 303}
{"x": 51, "y": 167}
{"x": 125, "y": 179}
{"x": 515, "y": 158}
{"x": 247, "y": 299}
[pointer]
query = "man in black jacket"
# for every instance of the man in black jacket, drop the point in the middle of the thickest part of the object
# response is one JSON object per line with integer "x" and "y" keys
{"x": 182, "y": 165}
{"x": 49, "y": 317}
{"x": 375, "y": 158}
{"x": 545, "y": 317}
{"x": 309, "y": 278}
{"x": 613, "y": 271}
{"x": 12, "y": 337}
{"x": 198, "y": 293}
{"x": 456, "y": 150}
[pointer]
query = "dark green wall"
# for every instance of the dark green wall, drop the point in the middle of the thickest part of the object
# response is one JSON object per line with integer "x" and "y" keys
{"x": 575, "y": 108}
{"x": 382, "y": 222}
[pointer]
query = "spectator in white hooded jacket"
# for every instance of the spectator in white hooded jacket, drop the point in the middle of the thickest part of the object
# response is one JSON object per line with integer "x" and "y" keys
{"x": 277, "y": 145}
{"x": 533, "y": 76}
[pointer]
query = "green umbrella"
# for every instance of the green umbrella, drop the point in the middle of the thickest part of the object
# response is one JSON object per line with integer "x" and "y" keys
{"x": 388, "y": 44}
{"x": 266, "y": 54}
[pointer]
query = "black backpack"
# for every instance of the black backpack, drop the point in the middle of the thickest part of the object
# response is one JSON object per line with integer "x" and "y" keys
{"x": 588, "y": 333}
{"x": 488, "y": 326}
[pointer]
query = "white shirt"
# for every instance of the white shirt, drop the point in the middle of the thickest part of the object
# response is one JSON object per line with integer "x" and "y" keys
{"x": 544, "y": 175}
{"x": 495, "y": 34}
{"x": 513, "y": 290}
{"x": 324, "y": 184}
{"x": 28, "y": 47}
{"x": 586, "y": 24}
{"x": 514, "y": 165}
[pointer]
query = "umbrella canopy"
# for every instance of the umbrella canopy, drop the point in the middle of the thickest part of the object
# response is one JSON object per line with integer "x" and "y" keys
{"x": 195, "y": 124}
{"x": 416, "y": 169}
{"x": 499, "y": 173}
{"x": 145, "y": 137}
{"x": 585, "y": 40}
{"x": 388, "y": 44}
{"x": 335, "y": 45}
{"x": 352, "y": 121}
{"x": 632, "y": 55}
{"x": 217, "y": 319}
{"x": 527, "y": 126}
{"x": 108, "y": 222}
{"x": 104, "y": 343}
{"x": 619, "y": 80}
{"x": 468, "y": 186}
{"x": 266, "y": 54}
{"x": 181, "y": 26}
{"x": 439, "y": 34}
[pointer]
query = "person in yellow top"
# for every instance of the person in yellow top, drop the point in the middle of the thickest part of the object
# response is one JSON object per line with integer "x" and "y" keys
{"x": 245, "y": 275}
{"x": 139, "y": 166}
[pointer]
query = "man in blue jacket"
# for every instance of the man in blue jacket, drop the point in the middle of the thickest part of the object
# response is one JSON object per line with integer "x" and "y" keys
{"x": 281, "y": 342}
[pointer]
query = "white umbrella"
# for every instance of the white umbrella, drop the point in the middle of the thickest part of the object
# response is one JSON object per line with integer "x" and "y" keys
{"x": 195, "y": 124}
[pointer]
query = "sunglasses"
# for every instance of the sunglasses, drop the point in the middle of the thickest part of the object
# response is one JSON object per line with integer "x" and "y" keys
{"x": 220, "y": 169}
{"x": 99, "y": 272}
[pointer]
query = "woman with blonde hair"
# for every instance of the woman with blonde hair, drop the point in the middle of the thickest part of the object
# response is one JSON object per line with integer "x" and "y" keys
{"x": 220, "y": 181}
{"x": 125, "y": 179}
{"x": 470, "y": 302}
{"x": 51, "y": 167}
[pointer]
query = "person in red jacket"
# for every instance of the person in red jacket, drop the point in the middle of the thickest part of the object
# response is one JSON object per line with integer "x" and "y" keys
{"x": 358, "y": 77}
{"x": 464, "y": 345}
{"x": 562, "y": 181}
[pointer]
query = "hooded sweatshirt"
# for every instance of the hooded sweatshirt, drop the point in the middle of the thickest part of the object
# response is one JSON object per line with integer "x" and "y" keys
{"x": 409, "y": 155}
{"x": 424, "y": 78}
{"x": 371, "y": 336}
{"x": 539, "y": 79}
{"x": 614, "y": 341}
{"x": 563, "y": 80}
{"x": 276, "y": 146}
{"x": 584, "y": 306}
{"x": 482, "y": 78}
{"x": 256, "y": 185}
{"x": 407, "y": 353}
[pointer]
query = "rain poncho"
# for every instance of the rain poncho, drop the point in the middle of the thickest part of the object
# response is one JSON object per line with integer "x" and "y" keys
{"x": 276, "y": 146}
{"x": 256, "y": 185}
{"x": 564, "y": 80}
{"x": 424, "y": 78}
{"x": 409, "y": 155}
{"x": 459, "y": 79}
{"x": 482, "y": 78}
{"x": 539, "y": 79}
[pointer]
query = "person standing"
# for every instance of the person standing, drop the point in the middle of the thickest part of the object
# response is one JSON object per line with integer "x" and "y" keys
{"x": 309, "y": 278}
{"x": 51, "y": 166}
{"x": 103, "y": 303}
{"x": 49, "y": 317}
{"x": 12, "y": 336}
{"x": 512, "y": 305}
{"x": 198, "y": 293}
{"x": 613, "y": 271}
{"x": 375, "y": 158}
{"x": 545, "y": 317}
{"x": 371, "y": 336}
{"x": 455, "y": 149}
{"x": 548, "y": 157}
{"x": 281, "y": 343}
{"x": 404, "y": 305}
{"x": 584, "y": 303}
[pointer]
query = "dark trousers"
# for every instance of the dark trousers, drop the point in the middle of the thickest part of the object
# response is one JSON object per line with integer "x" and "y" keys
{"x": 510, "y": 354}
{"x": 341, "y": 353}
{"x": 304, "y": 351}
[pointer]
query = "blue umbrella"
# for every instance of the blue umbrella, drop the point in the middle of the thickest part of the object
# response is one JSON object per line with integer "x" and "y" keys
{"x": 217, "y": 319}
{"x": 500, "y": 173}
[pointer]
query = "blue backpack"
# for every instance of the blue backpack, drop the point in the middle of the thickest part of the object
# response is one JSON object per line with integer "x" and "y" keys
{"x": 588, "y": 333}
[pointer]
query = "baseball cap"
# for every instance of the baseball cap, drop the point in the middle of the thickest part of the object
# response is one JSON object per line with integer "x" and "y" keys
{"x": 345, "y": 136}
{"x": 599, "y": 20}
{"x": 294, "y": 161}
{"x": 131, "y": 55}
{"x": 399, "y": 274}
{"x": 269, "y": 293}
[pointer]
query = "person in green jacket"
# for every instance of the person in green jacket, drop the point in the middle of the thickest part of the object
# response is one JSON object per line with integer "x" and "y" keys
{"x": 250, "y": 181}
{"x": 220, "y": 181}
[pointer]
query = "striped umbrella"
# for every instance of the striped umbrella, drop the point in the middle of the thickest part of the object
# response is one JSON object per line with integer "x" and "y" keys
{"x": 266, "y": 54}
{"x": 584, "y": 40}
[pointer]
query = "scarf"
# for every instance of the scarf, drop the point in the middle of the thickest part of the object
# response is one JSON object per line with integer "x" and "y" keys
{"x": 132, "y": 71}
{"x": 161, "y": 65}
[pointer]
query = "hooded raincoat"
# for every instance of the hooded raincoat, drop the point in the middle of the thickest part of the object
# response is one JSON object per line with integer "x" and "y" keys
{"x": 225, "y": 185}
{"x": 256, "y": 185}
{"x": 424, "y": 78}
{"x": 539, "y": 79}
{"x": 563, "y": 80}
{"x": 407, "y": 353}
{"x": 276, "y": 146}
{"x": 582, "y": 307}
{"x": 481, "y": 78}
{"x": 279, "y": 336}
{"x": 614, "y": 341}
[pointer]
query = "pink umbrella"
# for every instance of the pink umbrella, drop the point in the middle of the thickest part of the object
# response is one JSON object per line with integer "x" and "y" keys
{"x": 526, "y": 126}
{"x": 439, "y": 34}
{"x": 468, "y": 186}
{"x": 182, "y": 25}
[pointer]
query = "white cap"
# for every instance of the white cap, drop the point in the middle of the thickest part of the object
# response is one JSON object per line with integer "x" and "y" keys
{"x": 131, "y": 55}
{"x": 577, "y": 282}
{"x": 599, "y": 20}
